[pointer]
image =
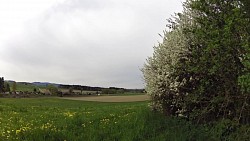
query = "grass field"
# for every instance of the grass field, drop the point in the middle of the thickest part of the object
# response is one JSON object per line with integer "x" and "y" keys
{"x": 25, "y": 87}
{"x": 54, "y": 119}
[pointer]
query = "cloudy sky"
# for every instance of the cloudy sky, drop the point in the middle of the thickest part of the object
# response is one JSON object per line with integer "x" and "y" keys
{"x": 87, "y": 42}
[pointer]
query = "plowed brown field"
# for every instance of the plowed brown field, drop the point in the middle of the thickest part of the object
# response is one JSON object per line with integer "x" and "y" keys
{"x": 111, "y": 98}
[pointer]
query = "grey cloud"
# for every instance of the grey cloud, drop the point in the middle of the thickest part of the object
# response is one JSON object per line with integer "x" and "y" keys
{"x": 89, "y": 42}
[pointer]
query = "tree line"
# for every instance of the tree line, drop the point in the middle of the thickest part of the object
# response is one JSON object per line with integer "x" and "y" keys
{"x": 5, "y": 86}
{"x": 109, "y": 90}
{"x": 54, "y": 88}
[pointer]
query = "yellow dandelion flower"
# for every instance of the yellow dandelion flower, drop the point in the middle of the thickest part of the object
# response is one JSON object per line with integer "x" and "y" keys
{"x": 18, "y": 131}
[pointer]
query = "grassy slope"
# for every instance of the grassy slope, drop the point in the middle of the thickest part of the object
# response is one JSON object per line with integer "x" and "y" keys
{"x": 23, "y": 87}
{"x": 55, "y": 119}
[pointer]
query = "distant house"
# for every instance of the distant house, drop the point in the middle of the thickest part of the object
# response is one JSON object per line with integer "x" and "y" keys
{"x": 64, "y": 91}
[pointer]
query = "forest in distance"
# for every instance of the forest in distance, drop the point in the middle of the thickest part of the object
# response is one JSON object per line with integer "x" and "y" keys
{"x": 10, "y": 86}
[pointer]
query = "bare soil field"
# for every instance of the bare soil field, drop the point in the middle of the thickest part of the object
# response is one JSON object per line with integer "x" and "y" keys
{"x": 111, "y": 98}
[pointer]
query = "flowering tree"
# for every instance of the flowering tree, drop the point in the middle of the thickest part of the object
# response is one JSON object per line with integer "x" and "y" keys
{"x": 201, "y": 69}
{"x": 160, "y": 70}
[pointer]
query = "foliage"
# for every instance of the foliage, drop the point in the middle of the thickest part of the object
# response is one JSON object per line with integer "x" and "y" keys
{"x": 219, "y": 57}
{"x": 160, "y": 71}
{"x": 1, "y": 84}
{"x": 6, "y": 87}
{"x": 246, "y": 6}
{"x": 34, "y": 90}
{"x": 14, "y": 87}
{"x": 70, "y": 90}
{"x": 53, "y": 89}
{"x": 112, "y": 91}
{"x": 202, "y": 68}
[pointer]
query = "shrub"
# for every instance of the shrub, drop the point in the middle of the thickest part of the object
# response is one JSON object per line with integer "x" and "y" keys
{"x": 201, "y": 69}
{"x": 160, "y": 71}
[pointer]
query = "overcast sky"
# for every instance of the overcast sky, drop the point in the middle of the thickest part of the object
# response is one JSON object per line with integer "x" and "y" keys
{"x": 87, "y": 42}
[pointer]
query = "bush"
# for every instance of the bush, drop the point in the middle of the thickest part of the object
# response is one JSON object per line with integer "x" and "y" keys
{"x": 53, "y": 89}
{"x": 201, "y": 70}
{"x": 161, "y": 70}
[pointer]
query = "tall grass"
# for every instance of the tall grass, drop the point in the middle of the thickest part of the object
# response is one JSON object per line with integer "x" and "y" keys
{"x": 58, "y": 120}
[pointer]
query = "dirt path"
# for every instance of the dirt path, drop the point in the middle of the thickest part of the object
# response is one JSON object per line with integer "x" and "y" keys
{"x": 111, "y": 98}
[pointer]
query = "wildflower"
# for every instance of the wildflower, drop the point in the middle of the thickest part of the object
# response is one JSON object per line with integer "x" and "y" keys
{"x": 68, "y": 114}
{"x": 83, "y": 125}
{"x": 18, "y": 131}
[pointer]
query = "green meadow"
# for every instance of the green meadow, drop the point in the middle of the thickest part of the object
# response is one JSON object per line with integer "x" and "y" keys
{"x": 25, "y": 87}
{"x": 54, "y": 119}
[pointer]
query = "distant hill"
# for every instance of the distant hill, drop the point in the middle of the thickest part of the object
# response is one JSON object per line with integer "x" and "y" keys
{"x": 30, "y": 86}
{"x": 45, "y": 84}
